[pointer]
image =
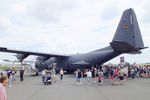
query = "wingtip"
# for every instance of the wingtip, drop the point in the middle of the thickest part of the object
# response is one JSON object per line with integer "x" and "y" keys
{"x": 3, "y": 49}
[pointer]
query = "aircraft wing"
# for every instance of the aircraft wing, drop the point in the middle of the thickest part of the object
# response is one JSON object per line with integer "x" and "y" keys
{"x": 23, "y": 54}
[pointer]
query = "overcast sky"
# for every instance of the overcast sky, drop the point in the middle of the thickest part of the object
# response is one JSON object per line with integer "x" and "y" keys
{"x": 68, "y": 26}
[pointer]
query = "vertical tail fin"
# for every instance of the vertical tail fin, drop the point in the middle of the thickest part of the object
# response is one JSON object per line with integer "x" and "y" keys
{"x": 128, "y": 36}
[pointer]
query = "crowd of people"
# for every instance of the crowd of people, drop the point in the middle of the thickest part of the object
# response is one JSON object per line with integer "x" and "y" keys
{"x": 116, "y": 73}
{"x": 7, "y": 76}
{"x": 139, "y": 71}
{"x": 10, "y": 73}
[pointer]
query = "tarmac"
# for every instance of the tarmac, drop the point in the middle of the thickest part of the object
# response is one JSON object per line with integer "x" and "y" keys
{"x": 67, "y": 89}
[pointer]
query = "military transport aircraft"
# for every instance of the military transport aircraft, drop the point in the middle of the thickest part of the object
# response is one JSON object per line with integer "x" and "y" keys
{"x": 127, "y": 39}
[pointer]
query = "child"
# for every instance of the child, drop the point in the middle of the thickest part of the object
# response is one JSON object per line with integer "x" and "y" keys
{"x": 11, "y": 79}
{"x": 112, "y": 80}
{"x": 115, "y": 77}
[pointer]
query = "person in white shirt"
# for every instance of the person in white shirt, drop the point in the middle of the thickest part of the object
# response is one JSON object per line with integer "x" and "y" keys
{"x": 76, "y": 75}
{"x": 11, "y": 77}
{"x": 3, "y": 73}
{"x": 43, "y": 75}
{"x": 61, "y": 73}
{"x": 89, "y": 76}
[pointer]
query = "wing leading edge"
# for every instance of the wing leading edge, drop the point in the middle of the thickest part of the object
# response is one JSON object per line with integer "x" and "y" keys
{"x": 3, "y": 49}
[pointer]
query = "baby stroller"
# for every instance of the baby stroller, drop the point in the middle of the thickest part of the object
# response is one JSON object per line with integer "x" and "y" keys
{"x": 48, "y": 80}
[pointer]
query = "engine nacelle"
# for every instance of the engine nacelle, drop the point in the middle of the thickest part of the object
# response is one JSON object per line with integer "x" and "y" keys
{"x": 21, "y": 57}
{"x": 44, "y": 62}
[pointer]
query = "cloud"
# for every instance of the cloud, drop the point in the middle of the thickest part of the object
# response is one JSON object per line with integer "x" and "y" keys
{"x": 4, "y": 23}
{"x": 48, "y": 11}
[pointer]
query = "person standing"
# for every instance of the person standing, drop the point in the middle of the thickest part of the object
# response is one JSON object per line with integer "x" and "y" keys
{"x": 89, "y": 76}
{"x": 9, "y": 72}
{"x": 3, "y": 73}
{"x": 121, "y": 76}
{"x": 43, "y": 75}
{"x": 76, "y": 75}
{"x": 3, "y": 85}
{"x": 11, "y": 77}
{"x": 54, "y": 75}
{"x": 61, "y": 73}
{"x": 93, "y": 71}
{"x": 132, "y": 73}
{"x": 21, "y": 74}
{"x": 79, "y": 77}
{"x": 100, "y": 77}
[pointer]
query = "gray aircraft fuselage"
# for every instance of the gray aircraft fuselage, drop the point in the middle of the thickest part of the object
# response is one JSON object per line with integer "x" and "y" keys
{"x": 73, "y": 62}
